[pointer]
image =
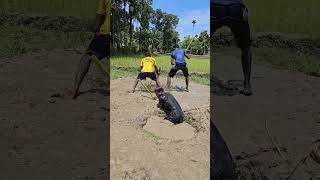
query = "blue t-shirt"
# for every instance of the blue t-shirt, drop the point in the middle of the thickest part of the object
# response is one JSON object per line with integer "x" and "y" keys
{"x": 227, "y": 2}
{"x": 178, "y": 55}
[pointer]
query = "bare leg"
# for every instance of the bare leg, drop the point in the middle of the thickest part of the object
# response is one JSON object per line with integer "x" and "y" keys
{"x": 135, "y": 85}
{"x": 168, "y": 86}
{"x": 246, "y": 58}
{"x": 157, "y": 83}
{"x": 82, "y": 70}
{"x": 187, "y": 84}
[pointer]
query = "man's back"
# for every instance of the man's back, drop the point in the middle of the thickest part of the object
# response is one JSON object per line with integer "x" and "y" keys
{"x": 170, "y": 104}
{"x": 178, "y": 55}
{"x": 148, "y": 64}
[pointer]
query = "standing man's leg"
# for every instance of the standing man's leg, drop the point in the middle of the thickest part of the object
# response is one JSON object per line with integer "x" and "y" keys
{"x": 168, "y": 86}
{"x": 83, "y": 68}
{"x": 246, "y": 58}
{"x": 136, "y": 81}
{"x": 99, "y": 47}
{"x": 186, "y": 76}
{"x": 187, "y": 83}
{"x": 241, "y": 31}
{"x": 171, "y": 74}
{"x": 141, "y": 76}
{"x": 157, "y": 82}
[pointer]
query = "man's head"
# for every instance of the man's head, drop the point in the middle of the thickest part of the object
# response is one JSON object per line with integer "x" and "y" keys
{"x": 159, "y": 91}
{"x": 147, "y": 53}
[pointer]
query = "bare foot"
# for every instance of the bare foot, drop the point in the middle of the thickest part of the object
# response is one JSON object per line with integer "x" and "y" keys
{"x": 246, "y": 90}
{"x": 131, "y": 91}
{"x": 68, "y": 93}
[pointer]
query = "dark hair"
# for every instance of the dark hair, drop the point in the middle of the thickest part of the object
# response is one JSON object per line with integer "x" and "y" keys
{"x": 158, "y": 89}
{"x": 147, "y": 53}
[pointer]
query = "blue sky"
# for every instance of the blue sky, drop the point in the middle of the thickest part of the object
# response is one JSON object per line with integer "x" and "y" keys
{"x": 187, "y": 10}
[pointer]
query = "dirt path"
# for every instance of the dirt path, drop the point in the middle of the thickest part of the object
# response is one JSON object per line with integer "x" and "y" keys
{"x": 288, "y": 101}
{"x": 145, "y": 146}
{"x": 50, "y": 138}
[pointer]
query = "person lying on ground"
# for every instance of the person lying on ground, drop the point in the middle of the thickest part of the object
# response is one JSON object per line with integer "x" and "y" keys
{"x": 234, "y": 14}
{"x": 148, "y": 69}
{"x": 170, "y": 106}
{"x": 99, "y": 46}
{"x": 178, "y": 63}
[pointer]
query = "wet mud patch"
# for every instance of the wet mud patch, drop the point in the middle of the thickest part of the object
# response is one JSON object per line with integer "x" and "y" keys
{"x": 163, "y": 129}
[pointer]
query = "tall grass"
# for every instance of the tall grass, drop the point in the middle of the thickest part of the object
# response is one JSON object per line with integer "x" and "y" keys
{"x": 79, "y": 8}
{"x": 195, "y": 64}
{"x": 286, "y": 16}
{"x": 127, "y": 66}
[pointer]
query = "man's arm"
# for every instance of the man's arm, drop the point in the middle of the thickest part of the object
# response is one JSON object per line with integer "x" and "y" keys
{"x": 173, "y": 62}
{"x": 99, "y": 21}
{"x": 185, "y": 54}
{"x": 100, "y": 17}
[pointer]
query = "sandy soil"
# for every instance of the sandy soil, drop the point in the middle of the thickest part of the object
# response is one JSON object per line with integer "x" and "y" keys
{"x": 289, "y": 102}
{"x": 44, "y": 137}
{"x": 145, "y": 146}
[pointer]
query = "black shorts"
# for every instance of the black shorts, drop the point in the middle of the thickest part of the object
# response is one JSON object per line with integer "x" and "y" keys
{"x": 174, "y": 70}
{"x": 144, "y": 75}
{"x": 234, "y": 16}
{"x": 100, "y": 46}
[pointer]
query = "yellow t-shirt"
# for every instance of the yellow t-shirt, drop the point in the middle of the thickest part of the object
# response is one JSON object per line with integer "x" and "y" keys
{"x": 104, "y": 8}
{"x": 148, "y": 64}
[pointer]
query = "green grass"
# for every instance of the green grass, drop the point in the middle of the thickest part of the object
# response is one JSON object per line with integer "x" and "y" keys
{"x": 127, "y": 66}
{"x": 286, "y": 16}
{"x": 155, "y": 138}
{"x": 282, "y": 59}
{"x": 18, "y": 40}
{"x": 79, "y": 8}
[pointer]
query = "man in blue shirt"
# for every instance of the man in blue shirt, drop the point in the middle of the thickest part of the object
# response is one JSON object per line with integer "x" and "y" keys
{"x": 234, "y": 14}
{"x": 179, "y": 63}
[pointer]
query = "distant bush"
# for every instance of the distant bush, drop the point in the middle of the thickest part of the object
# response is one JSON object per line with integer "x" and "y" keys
{"x": 294, "y": 42}
{"x": 53, "y": 23}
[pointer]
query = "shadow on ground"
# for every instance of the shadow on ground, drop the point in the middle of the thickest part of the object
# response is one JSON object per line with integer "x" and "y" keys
{"x": 225, "y": 88}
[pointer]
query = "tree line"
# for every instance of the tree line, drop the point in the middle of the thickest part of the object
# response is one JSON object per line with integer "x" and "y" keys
{"x": 136, "y": 26}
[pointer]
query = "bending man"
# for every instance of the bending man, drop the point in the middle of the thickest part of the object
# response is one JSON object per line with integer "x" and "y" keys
{"x": 148, "y": 68}
{"x": 170, "y": 106}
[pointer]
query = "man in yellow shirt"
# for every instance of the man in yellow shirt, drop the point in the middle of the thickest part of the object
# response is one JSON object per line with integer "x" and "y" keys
{"x": 148, "y": 68}
{"x": 99, "y": 46}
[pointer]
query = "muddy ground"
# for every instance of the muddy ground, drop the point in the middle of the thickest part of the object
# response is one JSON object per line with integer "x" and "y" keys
{"x": 269, "y": 132}
{"x": 44, "y": 137}
{"x": 145, "y": 146}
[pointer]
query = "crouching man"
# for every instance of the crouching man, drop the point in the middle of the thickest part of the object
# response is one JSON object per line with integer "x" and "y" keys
{"x": 170, "y": 106}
